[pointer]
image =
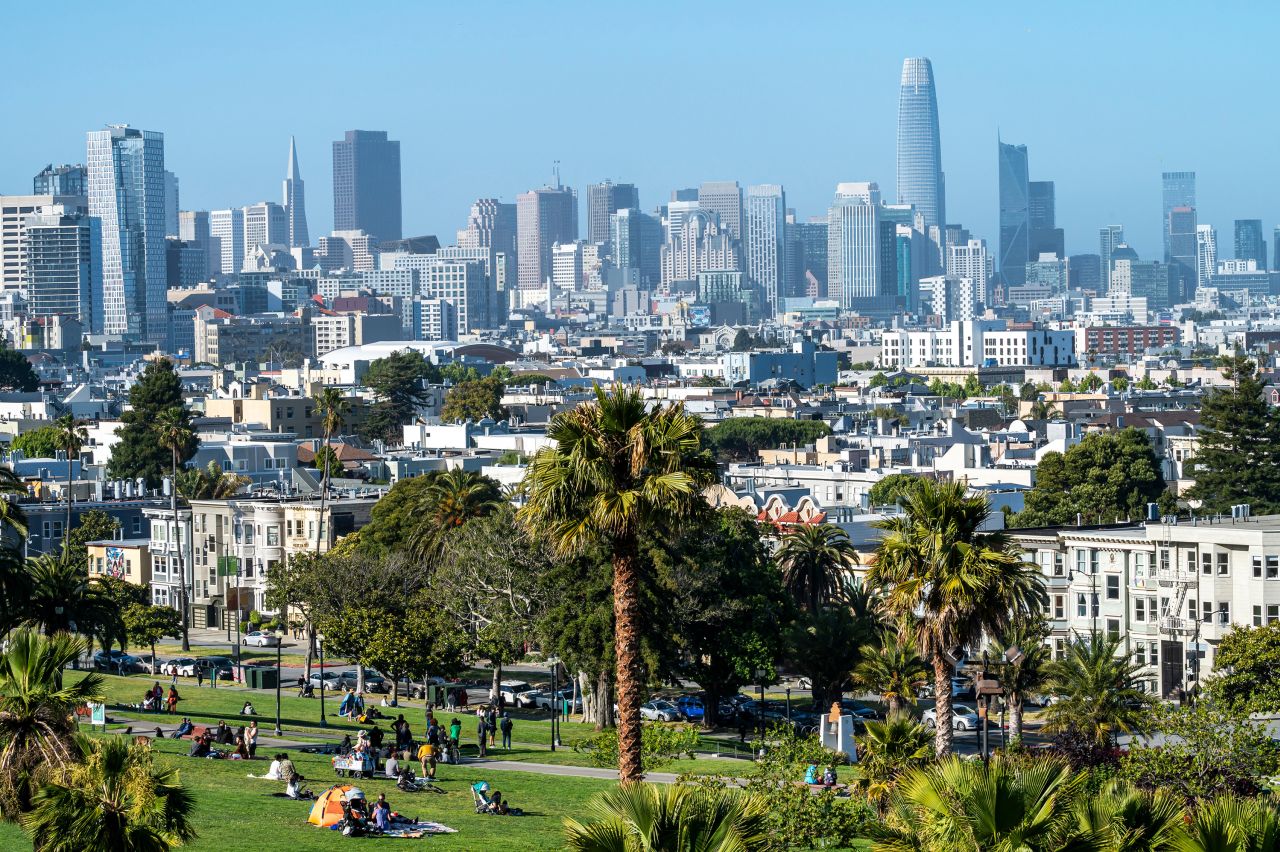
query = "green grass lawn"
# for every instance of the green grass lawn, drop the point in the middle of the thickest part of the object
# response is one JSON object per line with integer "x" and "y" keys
{"x": 237, "y": 814}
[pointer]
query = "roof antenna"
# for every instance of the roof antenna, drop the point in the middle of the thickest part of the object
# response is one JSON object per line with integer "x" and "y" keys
{"x": 555, "y": 171}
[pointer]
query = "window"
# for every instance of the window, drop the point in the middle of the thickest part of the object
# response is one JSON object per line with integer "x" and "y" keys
{"x": 1082, "y": 561}
{"x": 1139, "y": 609}
{"x": 1273, "y": 567}
{"x": 1257, "y": 567}
{"x": 1095, "y": 604}
{"x": 1224, "y": 564}
{"x": 1093, "y": 562}
{"x": 1257, "y": 615}
{"x": 1191, "y": 610}
{"x": 1113, "y": 628}
{"x": 57, "y": 529}
{"x": 248, "y": 533}
{"x": 46, "y": 529}
{"x": 1164, "y": 559}
{"x": 1224, "y": 612}
{"x": 1082, "y": 606}
{"x": 1208, "y": 611}
{"x": 1140, "y": 654}
{"x": 137, "y": 525}
{"x": 273, "y": 535}
{"x": 1206, "y": 563}
{"x": 288, "y": 527}
{"x": 1113, "y": 587}
{"x": 1273, "y": 613}
{"x": 1059, "y": 606}
{"x": 1059, "y": 565}
{"x": 1191, "y": 562}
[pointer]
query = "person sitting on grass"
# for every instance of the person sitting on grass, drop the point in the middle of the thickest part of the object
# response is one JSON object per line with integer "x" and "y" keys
{"x": 241, "y": 751}
{"x": 382, "y": 813}
{"x": 184, "y": 727}
{"x": 829, "y": 777}
{"x": 392, "y": 769}
{"x": 292, "y": 779}
{"x": 247, "y": 710}
{"x": 500, "y": 806}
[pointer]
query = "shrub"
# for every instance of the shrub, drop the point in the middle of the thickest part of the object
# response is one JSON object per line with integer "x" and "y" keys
{"x": 661, "y": 744}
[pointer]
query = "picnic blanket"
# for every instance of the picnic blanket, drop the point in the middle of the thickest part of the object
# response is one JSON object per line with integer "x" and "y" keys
{"x": 421, "y": 828}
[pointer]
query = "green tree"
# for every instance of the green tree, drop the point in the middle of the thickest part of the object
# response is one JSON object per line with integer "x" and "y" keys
{"x": 473, "y": 401}
{"x": 37, "y": 722}
{"x": 1044, "y": 410}
{"x": 889, "y": 749}
{"x": 742, "y": 438}
{"x": 672, "y": 818}
{"x": 452, "y": 499}
{"x": 613, "y": 471}
{"x": 889, "y": 489}
{"x": 173, "y": 432}
{"x": 325, "y": 461}
{"x": 1246, "y": 671}
{"x": 1122, "y": 819}
{"x": 743, "y": 341}
{"x": 293, "y": 586}
{"x": 399, "y": 382}
{"x": 1146, "y": 384}
{"x": 16, "y": 373}
{"x": 1090, "y": 383}
{"x": 1099, "y": 695}
{"x": 210, "y": 482}
{"x": 826, "y": 648}
{"x": 332, "y": 408}
{"x": 1238, "y": 459}
{"x": 416, "y": 638}
{"x": 146, "y": 624}
{"x": 95, "y": 525}
{"x": 893, "y": 670}
{"x": 114, "y": 798}
{"x": 1028, "y": 392}
{"x": 937, "y": 563}
{"x": 71, "y": 435}
{"x": 63, "y": 600}
{"x": 1105, "y": 476}
{"x": 41, "y": 443}
{"x": 1120, "y": 384}
{"x": 138, "y": 454}
{"x": 816, "y": 560}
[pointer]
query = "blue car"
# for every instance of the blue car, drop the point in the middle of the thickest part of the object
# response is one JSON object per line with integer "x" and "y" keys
{"x": 691, "y": 708}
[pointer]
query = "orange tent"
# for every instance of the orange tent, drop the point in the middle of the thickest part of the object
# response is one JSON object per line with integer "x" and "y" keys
{"x": 328, "y": 808}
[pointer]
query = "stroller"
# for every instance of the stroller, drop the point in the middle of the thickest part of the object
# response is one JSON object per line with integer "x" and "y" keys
{"x": 307, "y": 690}
{"x": 406, "y": 782}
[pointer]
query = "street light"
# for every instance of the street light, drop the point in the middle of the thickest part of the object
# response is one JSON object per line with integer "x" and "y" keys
{"x": 279, "y": 675}
{"x": 320, "y": 646}
{"x": 554, "y": 662}
{"x": 1094, "y": 603}
{"x": 760, "y": 676}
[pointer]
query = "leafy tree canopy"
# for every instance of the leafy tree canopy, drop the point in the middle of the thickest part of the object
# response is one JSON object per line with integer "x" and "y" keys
{"x": 39, "y": 443}
{"x": 399, "y": 381}
{"x": 887, "y": 491}
{"x": 474, "y": 400}
{"x": 16, "y": 373}
{"x": 139, "y": 454}
{"x": 1238, "y": 460}
{"x": 1246, "y": 675}
{"x": 742, "y": 438}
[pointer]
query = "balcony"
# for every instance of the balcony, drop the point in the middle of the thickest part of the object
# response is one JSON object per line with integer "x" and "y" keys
{"x": 1168, "y": 576}
{"x": 1178, "y": 626}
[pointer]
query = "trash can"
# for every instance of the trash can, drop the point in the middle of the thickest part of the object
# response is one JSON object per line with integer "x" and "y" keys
{"x": 268, "y": 677}
{"x": 252, "y": 677}
{"x": 433, "y": 695}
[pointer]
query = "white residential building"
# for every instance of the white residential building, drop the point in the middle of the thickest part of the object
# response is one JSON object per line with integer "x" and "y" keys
{"x": 975, "y": 344}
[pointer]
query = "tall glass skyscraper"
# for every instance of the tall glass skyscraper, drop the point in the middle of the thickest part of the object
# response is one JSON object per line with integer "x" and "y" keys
{"x": 366, "y": 184}
{"x": 1178, "y": 189}
{"x": 127, "y": 192}
{"x": 920, "y": 179}
{"x": 1015, "y": 214}
{"x": 1250, "y": 244}
{"x": 766, "y": 212}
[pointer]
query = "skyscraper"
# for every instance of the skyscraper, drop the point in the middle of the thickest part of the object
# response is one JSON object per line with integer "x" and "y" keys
{"x": 193, "y": 229}
{"x": 724, "y": 199}
{"x": 544, "y": 217}
{"x": 811, "y": 237}
{"x": 265, "y": 223}
{"x": 1181, "y": 232}
{"x": 1250, "y": 244}
{"x": 603, "y": 200}
{"x": 637, "y": 244}
{"x": 366, "y": 184}
{"x": 1015, "y": 214}
{"x": 171, "y": 204}
{"x": 1178, "y": 189}
{"x": 295, "y": 200}
{"x": 64, "y": 258}
{"x": 60, "y": 180}
{"x": 127, "y": 192}
{"x": 1045, "y": 236}
{"x": 853, "y": 243}
{"x": 920, "y": 179}
{"x": 1206, "y": 254}
{"x": 1109, "y": 236}
{"x": 226, "y": 240}
{"x": 766, "y": 209}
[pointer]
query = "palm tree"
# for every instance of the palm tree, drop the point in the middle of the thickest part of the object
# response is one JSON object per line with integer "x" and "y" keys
{"x": 1025, "y": 674}
{"x": 893, "y": 670}
{"x": 173, "y": 431}
{"x": 671, "y": 818}
{"x": 37, "y": 726}
{"x": 1001, "y": 806}
{"x": 11, "y": 514}
{"x": 1231, "y": 824}
{"x": 1041, "y": 410}
{"x": 116, "y": 799}
{"x": 331, "y": 407}
{"x": 815, "y": 560}
{"x": 1098, "y": 692}
{"x": 62, "y": 600}
{"x": 613, "y": 471}
{"x": 70, "y": 435}
{"x": 1124, "y": 819}
{"x": 210, "y": 483}
{"x": 962, "y": 582}
{"x": 888, "y": 749}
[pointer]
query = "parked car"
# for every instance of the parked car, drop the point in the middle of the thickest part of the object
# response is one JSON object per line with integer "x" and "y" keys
{"x": 373, "y": 682}
{"x": 330, "y": 679}
{"x": 660, "y": 711}
{"x": 962, "y": 718}
{"x": 153, "y": 665}
{"x": 961, "y": 687}
{"x": 691, "y": 708}
{"x": 114, "y": 660}
{"x": 858, "y": 709}
{"x": 260, "y": 639}
{"x": 510, "y": 690}
{"x": 208, "y": 665}
{"x": 808, "y": 722}
{"x": 183, "y": 664}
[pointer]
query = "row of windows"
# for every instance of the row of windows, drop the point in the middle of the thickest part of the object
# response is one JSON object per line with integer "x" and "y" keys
{"x": 1210, "y": 564}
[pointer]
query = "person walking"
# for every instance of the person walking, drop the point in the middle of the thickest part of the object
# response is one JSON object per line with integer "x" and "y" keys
{"x": 481, "y": 731}
{"x": 172, "y": 701}
{"x": 251, "y": 738}
{"x": 199, "y": 676}
{"x": 506, "y": 725}
{"x": 491, "y": 722}
{"x": 173, "y": 675}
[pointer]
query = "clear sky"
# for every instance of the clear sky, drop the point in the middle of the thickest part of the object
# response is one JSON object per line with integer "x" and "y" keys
{"x": 485, "y": 96}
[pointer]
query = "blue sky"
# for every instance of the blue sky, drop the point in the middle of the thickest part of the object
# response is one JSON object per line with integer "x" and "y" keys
{"x": 484, "y": 96}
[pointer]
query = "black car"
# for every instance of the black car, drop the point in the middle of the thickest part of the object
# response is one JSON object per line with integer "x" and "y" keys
{"x": 858, "y": 710}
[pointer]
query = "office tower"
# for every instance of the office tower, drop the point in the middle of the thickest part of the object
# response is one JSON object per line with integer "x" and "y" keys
{"x": 1109, "y": 236}
{"x": 688, "y": 193}
{"x": 265, "y": 223}
{"x": 64, "y": 264}
{"x": 724, "y": 199}
{"x": 366, "y": 184}
{"x": 226, "y": 239}
{"x": 1250, "y": 244}
{"x": 15, "y": 211}
{"x": 1206, "y": 254}
{"x": 186, "y": 264}
{"x": 1084, "y": 272}
{"x": 971, "y": 261}
{"x": 920, "y": 179}
{"x": 60, "y": 180}
{"x": 700, "y": 245}
{"x": 637, "y": 244}
{"x": 1150, "y": 280}
{"x": 544, "y": 217}
{"x": 1015, "y": 221}
{"x": 171, "y": 204}
{"x": 853, "y": 243}
{"x": 126, "y": 191}
{"x": 295, "y": 200}
{"x": 1045, "y": 236}
{"x": 766, "y": 246}
{"x": 603, "y": 200}
{"x": 1181, "y": 231}
{"x": 811, "y": 238}
{"x": 193, "y": 229}
{"x": 567, "y": 266}
{"x": 678, "y": 211}
{"x": 1178, "y": 189}
{"x": 353, "y": 250}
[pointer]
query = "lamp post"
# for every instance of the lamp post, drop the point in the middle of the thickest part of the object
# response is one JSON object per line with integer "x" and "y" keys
{"x": 1094, "y": 603}
{"x": 760, "y": 675}
{"x": 554, "y": 662}
{"x": 320, "y": 647}
{"x": 279, "y": 675}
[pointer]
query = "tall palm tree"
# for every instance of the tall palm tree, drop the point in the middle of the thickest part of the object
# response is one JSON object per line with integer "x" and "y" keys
{"x": 116, "y": 799}
{"x": 887, "y": 750}
{"x": 11, "y": 515}
{"x": 815, "y": 559}
{"x": 936, "y": 562}
{"x": 1232, "y": 824}
{"x": 62, "y": 600}
{"x": 671, "y": 818}
{"x": 70, "y": 435}
{"x": 1098, "y": 693}
{"x": 210, "y": 483}
{"x": 1042, "y": 410}
{"x": 37, "y": 726}
{"x": 893, "y": 670}
{"x": 332, "y": 408}
{"x": 173, "y": 432}
{"x": 1121, "y": 818}
{"x": 613, "y": 471}
{"x": 1024, "y": 675}
{"x": 14, "y": 582}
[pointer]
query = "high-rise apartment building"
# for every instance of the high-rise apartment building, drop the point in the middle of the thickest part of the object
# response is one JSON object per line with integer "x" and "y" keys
{"x": 265, "y": 223}
{"x": 1015, "y": 214}
{"x": 1250, "y": 244}
{"x": 544, "y": 217}
{"x": 971, "y": 260}
{"x": 1150, "y": 280}
{"x": 605, "y": 199}
{"x": 637, "y": 244}
{"x": 127, "y": 192}
{"x": 567, "y": 265}
{"x": 1045, "y": 237}
{"x": 171, "y": 204}
{"x": 64, "y": 264}
{"x": 724, "y": 199}
{"x": 295, "y": 200}
{"x": 811, "y": 239}
{"x": 1206, "y": 254}
{"x": 1109, "y": 236}
{"x": 15, "y": 212}
{"x": 61, "y": 180}
{"x": 1181, "y": 231}
{"x": 193, "y": 229}
{"x": 766, "y": 246}
{"x": 701, "y": 244}
{"x": 853, "y": 243}
{"x": 366, "y": 184}
{"x": 1178, "y": 189}
{"x": 1084, "y": 272}
{"x": 920, "y": 179}
{"x": 226, "y": 239}
{"x": 491, "y": 225}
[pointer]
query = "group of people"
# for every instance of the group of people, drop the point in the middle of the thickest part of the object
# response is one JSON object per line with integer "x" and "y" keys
{"x": 826, "y": 779}
{"x": 492, "y": 802}
{"x": 155, "y": 699}
{"x": 360, "y": 818}
{"x": 488, "y": 723}
{"x": 282, "y": 769}
{"x": 244, "y": 741}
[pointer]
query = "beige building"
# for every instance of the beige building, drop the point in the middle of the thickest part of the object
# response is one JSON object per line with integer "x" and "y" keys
{"x": 124, "y": 559}
{"x": 279, "y": 413}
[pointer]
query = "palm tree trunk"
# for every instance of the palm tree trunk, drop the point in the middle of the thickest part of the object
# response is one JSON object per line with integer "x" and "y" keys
{"x": 630, "y": 678}
{"x": 177, "y": 536}
{"x": 895, "y": 705}
{"x": 943, "y": 736}
{"x": 324, "y": 493}
{"x": 1015, "y": 718}
{"x": 66, "y": 530}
